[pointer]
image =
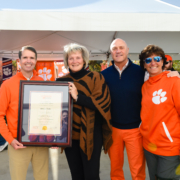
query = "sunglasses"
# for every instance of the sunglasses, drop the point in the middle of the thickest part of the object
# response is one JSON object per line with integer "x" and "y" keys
{"x": 157, "y": 59}
{"x": 167, "y": 62}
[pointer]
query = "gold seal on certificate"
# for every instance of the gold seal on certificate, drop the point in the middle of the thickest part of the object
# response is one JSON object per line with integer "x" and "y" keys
{"x": 45, "y": 113}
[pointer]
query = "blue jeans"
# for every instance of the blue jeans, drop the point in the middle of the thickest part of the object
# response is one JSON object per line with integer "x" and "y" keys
{"x": 2, "y": 140}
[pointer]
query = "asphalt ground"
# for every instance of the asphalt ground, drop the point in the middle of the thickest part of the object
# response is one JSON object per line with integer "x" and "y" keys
{"x": 58, "y": 167}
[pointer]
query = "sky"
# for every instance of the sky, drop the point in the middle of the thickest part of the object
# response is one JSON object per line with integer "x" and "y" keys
{"x": 173, "y": 2}
{"x": 110, "y": 6}
{"x": 43, "y": 4}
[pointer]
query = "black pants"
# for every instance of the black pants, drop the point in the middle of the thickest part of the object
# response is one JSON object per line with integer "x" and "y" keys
{"x": 80, "y": 167}
{"x": 163, "y": 167}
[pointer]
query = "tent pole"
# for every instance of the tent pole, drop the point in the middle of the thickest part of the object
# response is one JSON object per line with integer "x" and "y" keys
{"x": 108, "y": 52}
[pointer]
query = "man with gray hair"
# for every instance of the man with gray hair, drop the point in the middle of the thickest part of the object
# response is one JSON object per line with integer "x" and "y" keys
{"x": 125, "y": 80}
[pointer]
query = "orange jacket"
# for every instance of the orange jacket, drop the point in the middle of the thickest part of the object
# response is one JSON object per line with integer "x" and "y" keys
{"x": 9, "y": 101}
{"x": 160, "y": 112}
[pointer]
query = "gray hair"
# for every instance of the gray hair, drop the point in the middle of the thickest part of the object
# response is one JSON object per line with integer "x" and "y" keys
{"x": 73, "y": 47}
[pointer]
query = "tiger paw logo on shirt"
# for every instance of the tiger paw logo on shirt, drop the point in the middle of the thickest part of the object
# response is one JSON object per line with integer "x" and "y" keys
{"x": 159, "y": 96}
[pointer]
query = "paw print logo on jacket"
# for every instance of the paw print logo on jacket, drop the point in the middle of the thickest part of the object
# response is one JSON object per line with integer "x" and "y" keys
{"x": 159, "y": 96}
{"x": 45, "y": 74}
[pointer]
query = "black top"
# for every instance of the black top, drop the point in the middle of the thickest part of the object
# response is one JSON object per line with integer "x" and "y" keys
{"x": 79, "y": 74}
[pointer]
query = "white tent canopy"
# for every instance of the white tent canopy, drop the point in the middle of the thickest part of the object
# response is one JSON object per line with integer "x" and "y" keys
{"x": 93, "y": 23}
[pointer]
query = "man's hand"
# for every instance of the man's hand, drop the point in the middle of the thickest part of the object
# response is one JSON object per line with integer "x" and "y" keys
{"x": 173, "y": 74}
{"x": 17, "y": 145}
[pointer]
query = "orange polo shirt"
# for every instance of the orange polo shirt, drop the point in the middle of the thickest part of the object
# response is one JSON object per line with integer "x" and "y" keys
{"x": 160, "y": 112}
{"x": 9, "y": 101}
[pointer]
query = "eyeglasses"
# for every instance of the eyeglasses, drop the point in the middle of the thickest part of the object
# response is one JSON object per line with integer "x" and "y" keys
{"x": 157, "y": 59}
{"x": 167, "y": 62}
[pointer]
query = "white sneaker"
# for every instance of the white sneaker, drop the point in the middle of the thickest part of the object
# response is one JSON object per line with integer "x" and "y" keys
{"x": 3, "y": 146}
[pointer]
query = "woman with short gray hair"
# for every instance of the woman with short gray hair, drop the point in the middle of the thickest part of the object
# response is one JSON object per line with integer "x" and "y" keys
{"x": 70, "y": 48}
{"x": 91, "y": 114}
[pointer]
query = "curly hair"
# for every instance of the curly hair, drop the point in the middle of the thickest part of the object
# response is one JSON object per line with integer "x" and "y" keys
{"x": 149, "y": 51}
{"x": 73, "y": 47}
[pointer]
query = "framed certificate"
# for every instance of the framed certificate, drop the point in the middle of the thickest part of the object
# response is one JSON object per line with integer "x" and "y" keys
{"x": 45, "y": 114}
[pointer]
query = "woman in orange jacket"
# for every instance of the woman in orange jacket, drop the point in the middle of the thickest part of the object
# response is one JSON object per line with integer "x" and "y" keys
{"x": 160, "y": 112}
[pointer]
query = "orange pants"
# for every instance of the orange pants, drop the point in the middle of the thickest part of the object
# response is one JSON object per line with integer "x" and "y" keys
{"x": 132, "y": 139}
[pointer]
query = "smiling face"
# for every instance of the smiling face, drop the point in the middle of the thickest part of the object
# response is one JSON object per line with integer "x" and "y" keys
{"x": 154, "y": 68}
{"x": 75, "y": 61}
{"x": 119, "y": 51}
{"x": 27, "y": 61}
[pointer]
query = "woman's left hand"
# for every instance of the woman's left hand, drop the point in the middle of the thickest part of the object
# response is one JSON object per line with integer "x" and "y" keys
{"x": 73, "y": 91}
{"x": 173, "y": 74}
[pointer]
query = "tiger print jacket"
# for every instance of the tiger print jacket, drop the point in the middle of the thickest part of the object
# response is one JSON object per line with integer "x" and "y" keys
{"x": 93, "y": 85}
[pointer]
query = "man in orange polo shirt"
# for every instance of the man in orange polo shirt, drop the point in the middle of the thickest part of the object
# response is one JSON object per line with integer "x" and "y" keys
{"x": 19, "y": 155}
